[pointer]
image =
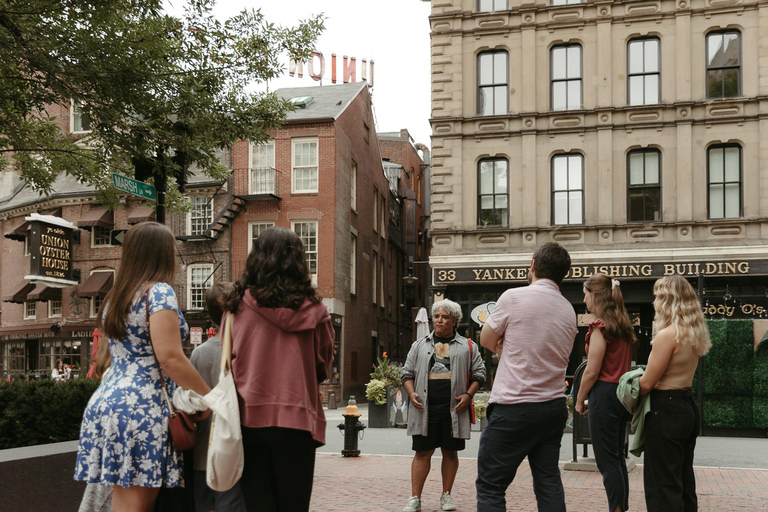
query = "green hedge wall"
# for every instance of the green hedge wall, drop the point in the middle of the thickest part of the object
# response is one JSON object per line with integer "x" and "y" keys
{"x": 42, "y": 411}
{"x": 760, "y": 400}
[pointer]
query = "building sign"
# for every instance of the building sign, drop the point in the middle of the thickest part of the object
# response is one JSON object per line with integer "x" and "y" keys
{"x": 347, "y": 68}
{"x": 482, "y": 312}
{"x": 735, "y": 309}
{"x": 196, "y": 335}
{"x": 50, "y": 247}
{"x": 469, "y": 275}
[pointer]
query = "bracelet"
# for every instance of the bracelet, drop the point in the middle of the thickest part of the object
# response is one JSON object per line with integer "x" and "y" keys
{"x": 468, "y": 394}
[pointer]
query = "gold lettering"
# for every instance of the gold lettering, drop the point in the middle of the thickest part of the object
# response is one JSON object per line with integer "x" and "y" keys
{"x": 575, "y": 272}
{"x": 509, "y": 274}
{"x": 522, "y": 274}
{"x": 477, "y": 273}
{"x": 498, "y": 273}
{"x": 720, "y": 268}
{"x": 647, "y": 270}
{"x": 730, "y": 268}
{"x": 743, "y": 267}
{"x": 669, "y": 270}
{"x": 634, "y": 270}
{"x": 711, "y": 268}
{"x": 486, "y": 275}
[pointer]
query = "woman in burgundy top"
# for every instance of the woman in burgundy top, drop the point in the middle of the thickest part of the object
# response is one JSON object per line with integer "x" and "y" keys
{"x": 282, "y": 348}
{"x": 609, "y": 353}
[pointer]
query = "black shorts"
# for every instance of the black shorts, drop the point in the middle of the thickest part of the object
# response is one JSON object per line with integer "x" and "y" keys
{"x": 439, "y": 435}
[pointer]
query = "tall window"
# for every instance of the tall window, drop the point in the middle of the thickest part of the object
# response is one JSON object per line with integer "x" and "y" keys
{"x": 263, "y": 168}
{"x": 30, "y": 310}
{"x": 81, "y": 122}
{"x": 492, "y": 83}
{"x": 492, "y": 5}
{"x": 724, "y": 177}
{"x": 199, "y": 279}
{"x": 644, "y": 71}
{"x": 100, "y": 237}
{"x": 381, "y": 282}
{"x": 493, "y": 192}
{"x": 13, "y": 355}
{"x": 375, "y": 280}
{"x": 353, "y": 265}
{"x": 644, "y": 189}
{"x": 567, "y": 189}
{"x": 382, "y": 215}
{"x": 375, "y": 209}
{"x": 54, "y": 308}
{"x": 353, "y": 186}
{"x": 307, "y": 231}
{"x": 201, "y": 216}
{"x": 724, "y": 64}
{"x": 566, "y": 77}
{"x": 305, "y": 171}
{"x": 255, "y": 229}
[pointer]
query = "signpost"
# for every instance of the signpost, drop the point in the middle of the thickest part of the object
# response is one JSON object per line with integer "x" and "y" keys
{"x": 196, "y": 335}
{"x": 135, "y": 187}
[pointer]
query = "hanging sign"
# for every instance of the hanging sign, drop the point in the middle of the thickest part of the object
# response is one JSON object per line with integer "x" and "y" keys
{"x": 50, "y": 247}
{"x": 196, "y": 335}
{"x": 482, "y": 312}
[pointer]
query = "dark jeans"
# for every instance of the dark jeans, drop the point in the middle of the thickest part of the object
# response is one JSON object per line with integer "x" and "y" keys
{"x": 671, "y": 428}
{"x": 279, "y": 467}
{"x": 607, "y": 425}
{"x": 514, "y": 432}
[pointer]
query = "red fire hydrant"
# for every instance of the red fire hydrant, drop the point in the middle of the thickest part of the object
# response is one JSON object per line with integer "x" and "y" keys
{"x": 350, "y": 428}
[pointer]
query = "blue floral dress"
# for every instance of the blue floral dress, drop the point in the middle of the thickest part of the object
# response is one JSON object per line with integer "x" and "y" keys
{"x": 124, "y": 436}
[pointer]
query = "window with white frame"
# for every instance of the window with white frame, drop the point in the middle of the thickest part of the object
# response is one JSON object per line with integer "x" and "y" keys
{"x": 353, "y": 266}
{"x": 724, "y": 64}
{"x": 305, "y": 170}
{"x": 493, "y": 192}
{"x": 262, "y": 168}
{"x": 96, "y": 301}
{"x": 307, "y": 231}
{"x": 492, "y": 5}
{"x": 255, "y": 229}
{"x": 81, "y": 122}
{"x": 100, "y": 237}
{"x": 30, "y": 310}
{"x": 567, "y": 189}
{"x": 492, "y": 83}
{"x": 565, "y": 68}
{"x": 353, "y": 186}
{"x": 54, "y": 308}
{"x": 200, "y": 218}
{"x": 199, "y": 279}
{"x": 644, "y": 71}
{"x": 724, "y": 177}
{"x": 644, "y": 187}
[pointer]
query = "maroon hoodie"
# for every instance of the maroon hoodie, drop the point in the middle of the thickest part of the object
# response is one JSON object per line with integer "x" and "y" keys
{"x": 279, "y": 356}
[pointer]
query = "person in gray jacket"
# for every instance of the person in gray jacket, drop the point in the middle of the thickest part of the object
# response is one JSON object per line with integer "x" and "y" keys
{"x": 441, "y": 379}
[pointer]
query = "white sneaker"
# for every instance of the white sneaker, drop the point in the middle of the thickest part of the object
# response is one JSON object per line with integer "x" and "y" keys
{"x": 446, "y": 502}
{"x": 413, "y": 505}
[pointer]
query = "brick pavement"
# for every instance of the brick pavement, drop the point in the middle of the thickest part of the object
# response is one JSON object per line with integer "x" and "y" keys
{"x": 382, "y": 483}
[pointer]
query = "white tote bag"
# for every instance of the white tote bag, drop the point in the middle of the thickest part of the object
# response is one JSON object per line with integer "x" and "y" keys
{"x": 225, "y": 447}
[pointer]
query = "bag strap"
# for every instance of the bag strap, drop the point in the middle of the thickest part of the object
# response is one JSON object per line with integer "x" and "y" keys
{"x": 469, "y": 372}
{"x": 226, "y": 342}
{"x": 159, "y": 368}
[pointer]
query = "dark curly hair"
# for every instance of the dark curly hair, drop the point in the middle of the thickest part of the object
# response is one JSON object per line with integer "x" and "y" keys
{"x": 276, "y": 273}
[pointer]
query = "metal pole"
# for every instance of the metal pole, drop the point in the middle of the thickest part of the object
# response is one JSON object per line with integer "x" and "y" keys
{"x": 700, "y": 367}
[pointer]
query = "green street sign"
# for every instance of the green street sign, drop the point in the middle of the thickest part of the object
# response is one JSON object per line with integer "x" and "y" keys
{"x": 135, "y": 187}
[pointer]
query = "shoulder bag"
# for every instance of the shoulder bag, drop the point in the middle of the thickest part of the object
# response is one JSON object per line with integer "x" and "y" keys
{"x": 472, "y": 416}
{"x": 225, "y": 446}
{"x": 181, "y": 426}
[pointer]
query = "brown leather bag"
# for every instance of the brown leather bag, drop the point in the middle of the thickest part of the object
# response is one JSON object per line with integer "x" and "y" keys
{"x": 181, "y": 427}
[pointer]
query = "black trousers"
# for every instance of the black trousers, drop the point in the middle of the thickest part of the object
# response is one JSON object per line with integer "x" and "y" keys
{"x": 671, "y": 428}
{"x": 607, "y": 424}
{"x": 513, "y": 432}
{"x": 279, "y": 468}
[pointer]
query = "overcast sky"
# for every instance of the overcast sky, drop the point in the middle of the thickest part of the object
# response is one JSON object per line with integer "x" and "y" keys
{"x": 394, "y": 33}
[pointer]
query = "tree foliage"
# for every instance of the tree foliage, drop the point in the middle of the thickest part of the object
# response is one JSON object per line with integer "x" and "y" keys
{"x": 161, "y": 91}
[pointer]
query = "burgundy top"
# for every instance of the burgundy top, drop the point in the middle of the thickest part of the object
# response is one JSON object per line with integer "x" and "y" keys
{"x": 618, "y": 355}
{"x": 279, "y": 357}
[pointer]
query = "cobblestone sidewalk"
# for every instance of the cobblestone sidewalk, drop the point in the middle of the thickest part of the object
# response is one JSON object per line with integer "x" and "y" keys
{"x": 382, "y": 483}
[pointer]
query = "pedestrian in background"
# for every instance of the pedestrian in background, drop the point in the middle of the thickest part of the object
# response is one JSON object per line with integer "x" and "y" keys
{"x": 609, "y": 355}
{"x": 680, "y": 338}
{"x": 124, "y": 438}
{"x": 282, "y": 350}
{"x": 532, "y": 329}
{"x": 206, "y": 358}
{"x": 441, "y": 375}
{"x": 58, "y": 374}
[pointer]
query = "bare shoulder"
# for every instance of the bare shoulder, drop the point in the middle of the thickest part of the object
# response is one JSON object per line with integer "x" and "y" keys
{"x": 666, "y": 339}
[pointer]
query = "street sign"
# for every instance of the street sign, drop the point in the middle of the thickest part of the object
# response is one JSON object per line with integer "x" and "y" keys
{"x": 135, "y": 187}
{"x": 196, "y": 335}
{"x": 117, "y": 236}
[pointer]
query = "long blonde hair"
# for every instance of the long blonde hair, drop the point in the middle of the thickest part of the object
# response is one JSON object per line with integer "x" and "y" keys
{"x": 676, "y": 304}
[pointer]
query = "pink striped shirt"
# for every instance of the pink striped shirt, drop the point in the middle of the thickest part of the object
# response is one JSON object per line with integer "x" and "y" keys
{"x": 538, "y": 326}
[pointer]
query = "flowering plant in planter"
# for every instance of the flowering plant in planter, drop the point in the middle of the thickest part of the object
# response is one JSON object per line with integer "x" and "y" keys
{"x": 387, "y": 371}
{"x": 481, "y": 404}
{"x": 376, "y": 391}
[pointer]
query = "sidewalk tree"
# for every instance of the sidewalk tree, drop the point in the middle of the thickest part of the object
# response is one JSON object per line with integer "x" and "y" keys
{"x": 155, "y": 92}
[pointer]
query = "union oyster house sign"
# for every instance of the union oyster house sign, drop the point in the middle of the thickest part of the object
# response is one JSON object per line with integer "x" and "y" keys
{"x": 50, "y": 248}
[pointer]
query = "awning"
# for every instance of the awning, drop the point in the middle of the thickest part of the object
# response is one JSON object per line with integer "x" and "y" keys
{"x": 19, "y": 292}
{"x": 97, "y": 217}
{"x": 141, "y": 214}
{"x": 97, "y": 285}
{"x": 20, "y": 233}
{"x": 44, "y": 293}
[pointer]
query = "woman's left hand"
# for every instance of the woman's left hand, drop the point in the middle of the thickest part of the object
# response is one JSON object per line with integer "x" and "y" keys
{"x": 464, "y": 399}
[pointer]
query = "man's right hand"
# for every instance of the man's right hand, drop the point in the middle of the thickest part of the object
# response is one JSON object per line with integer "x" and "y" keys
{"x": 415, "y": 401}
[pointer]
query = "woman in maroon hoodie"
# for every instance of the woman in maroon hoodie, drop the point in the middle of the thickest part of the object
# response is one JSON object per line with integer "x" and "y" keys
{"x": 282, "y": 349}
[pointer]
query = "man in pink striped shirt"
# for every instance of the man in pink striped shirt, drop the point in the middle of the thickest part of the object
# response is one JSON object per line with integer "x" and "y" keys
{"x": 532, "y": 329}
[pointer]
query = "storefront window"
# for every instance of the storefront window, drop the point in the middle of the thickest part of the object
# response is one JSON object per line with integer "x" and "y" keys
{"x": 67, "y": 351}
{"x": 13, "y": 356}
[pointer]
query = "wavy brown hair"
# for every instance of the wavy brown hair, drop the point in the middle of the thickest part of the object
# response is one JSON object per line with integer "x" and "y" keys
{"x": 608, "y": 306}
{"x": 276, "y": 273}
{"x": 677, "y": 304}
{"x": 148, "y": 257}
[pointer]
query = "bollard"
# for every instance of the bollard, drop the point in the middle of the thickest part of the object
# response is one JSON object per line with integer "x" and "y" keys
{"x": 332, "y": 400}
{"x": 350, "y": 428}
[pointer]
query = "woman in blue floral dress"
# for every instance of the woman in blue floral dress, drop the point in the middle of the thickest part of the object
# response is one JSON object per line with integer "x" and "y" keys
{"x": 124, "y": 437}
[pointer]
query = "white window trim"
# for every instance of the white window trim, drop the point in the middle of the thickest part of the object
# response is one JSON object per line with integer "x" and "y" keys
{"x": 250, "y": 231}
{"x": 93, "y": 240}
{"x": 353, "y": 265}
{"x": 316, "y": 140}
{"x": 251, "y": 168}
{"x": 30, "y": 317}
{"x": 353, "y": 186}
{"x": 317, "y": 243}
{"x": 94, "y": 312}
{"x": 189, "y": 217}
{"x": 209, "y": 268}
{"x": 72, "y": 119}
{"x": 51, "y": 315}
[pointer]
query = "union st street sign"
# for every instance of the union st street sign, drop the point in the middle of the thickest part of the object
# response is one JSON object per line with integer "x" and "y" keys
{"x": 135, "y": 187}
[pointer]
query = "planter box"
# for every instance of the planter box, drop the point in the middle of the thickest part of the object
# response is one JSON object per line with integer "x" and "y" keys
{"x": 394, "y": 414}
{"x": 377, "y": 416}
